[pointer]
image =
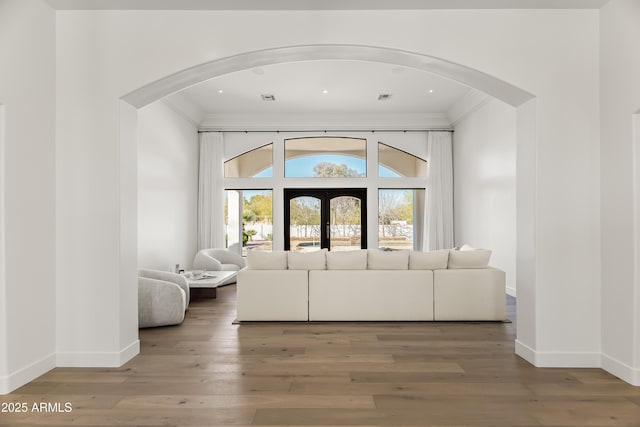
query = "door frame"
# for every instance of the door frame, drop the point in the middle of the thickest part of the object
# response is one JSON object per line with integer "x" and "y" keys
{"x": 325, "y": 195}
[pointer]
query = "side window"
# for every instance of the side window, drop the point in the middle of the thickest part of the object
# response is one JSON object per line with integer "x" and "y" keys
{"x": 248, "y": 218}
{"x": 256, "y": 163}
{"x": 394, "y": 163}
{"x": 400, "y": 217}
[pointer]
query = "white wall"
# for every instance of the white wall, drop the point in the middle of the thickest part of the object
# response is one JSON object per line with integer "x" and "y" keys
{"x": 167, "y": 188}
{"x": 96, "y": 321}
{"x": 484, "y": 176}
{"x": 4, "y": 320}
{"x": 550, "y": 53}
{"x": 620, "y": 165}
{"x": 27, "y": 279}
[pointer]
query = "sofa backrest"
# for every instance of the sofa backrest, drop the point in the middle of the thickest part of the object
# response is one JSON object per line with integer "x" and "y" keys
{"x": 370, "y": 259}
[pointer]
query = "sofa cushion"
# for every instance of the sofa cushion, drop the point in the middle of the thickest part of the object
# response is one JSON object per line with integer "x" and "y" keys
{"x": 387, "y": 260}
{"x": 432, "y": 260}
{"x": 258, "y": 260}
{"x": 316, "y": 260}
{"x": 347, "y": 260}
{"x": 469, "y": 258}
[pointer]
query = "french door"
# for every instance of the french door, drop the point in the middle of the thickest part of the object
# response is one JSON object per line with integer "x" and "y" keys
{"x": 332, "y": 218}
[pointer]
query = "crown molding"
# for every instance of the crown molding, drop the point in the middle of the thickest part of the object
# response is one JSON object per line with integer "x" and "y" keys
{"x": 473, "y": 100}
{"x": 186, "y": 108}
{"x": 308, "y": 121}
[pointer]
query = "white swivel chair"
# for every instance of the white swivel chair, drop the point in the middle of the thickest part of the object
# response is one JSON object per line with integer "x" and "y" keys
{"x": 219, "y": 259}
{"x": 163, "y": 298}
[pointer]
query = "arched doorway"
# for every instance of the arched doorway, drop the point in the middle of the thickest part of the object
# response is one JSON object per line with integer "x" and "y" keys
{"x": 521, "y": 99}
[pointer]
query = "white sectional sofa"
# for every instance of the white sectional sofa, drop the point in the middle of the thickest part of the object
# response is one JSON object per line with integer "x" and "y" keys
{"x": 370, "y": 285}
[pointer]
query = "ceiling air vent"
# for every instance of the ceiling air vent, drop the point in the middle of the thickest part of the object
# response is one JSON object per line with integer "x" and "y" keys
{"x": 268, "y": 97}
{"x": 384, "y": 97}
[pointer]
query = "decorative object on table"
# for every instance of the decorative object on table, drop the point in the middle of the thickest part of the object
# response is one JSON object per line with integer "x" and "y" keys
{"x": 196, "y": 274}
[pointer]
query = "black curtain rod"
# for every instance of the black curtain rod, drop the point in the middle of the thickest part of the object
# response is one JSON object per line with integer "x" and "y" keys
{"x": 328, "y": 130}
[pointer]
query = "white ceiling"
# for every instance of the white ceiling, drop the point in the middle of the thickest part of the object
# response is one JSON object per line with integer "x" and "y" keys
{"x": 352, "y": 87}
{"x": 417, "y": 99}
{"x": 322, "y": 4}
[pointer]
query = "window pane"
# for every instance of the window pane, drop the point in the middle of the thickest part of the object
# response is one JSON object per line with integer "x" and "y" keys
{"x": 256, "y": 163}
{"x": 345, "y": 223}
{"x": 325, "y": 157}
{"x": 249, "y": 219}
{"x": 400, "y": 218}
{"x": 394, "y": 163}
{"x": 304, "y": 228}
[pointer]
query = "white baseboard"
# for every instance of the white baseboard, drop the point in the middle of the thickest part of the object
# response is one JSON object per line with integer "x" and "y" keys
{"x": 526, "y": 352}
{"x": 621, "y": 370}
{"x": 27, "y": 374}
{"x": 128, "y": 353}
{"x": 98, "y": 360}
{"x": 24, "y": 375}
{"x": 545, "y": 359}
{"x": 511, "y": 292}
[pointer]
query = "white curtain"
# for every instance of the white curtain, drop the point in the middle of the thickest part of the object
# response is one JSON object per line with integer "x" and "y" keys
{"x": 439, "y": 199}
{"x": 211, "y": 191}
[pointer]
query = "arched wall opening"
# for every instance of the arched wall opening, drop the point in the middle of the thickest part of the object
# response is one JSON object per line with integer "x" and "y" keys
{"x": 523, "y": 101}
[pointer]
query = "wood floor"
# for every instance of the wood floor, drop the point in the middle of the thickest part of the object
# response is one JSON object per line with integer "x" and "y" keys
{"x": 209, "y": 372}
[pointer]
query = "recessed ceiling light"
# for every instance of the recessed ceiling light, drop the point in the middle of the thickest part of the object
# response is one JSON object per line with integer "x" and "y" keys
{"x": 268, "y": 97}
{"x": 325, "y": 91}
{"x": 430, "y": 90}
{"x": 220, "y": 91}
{"x": 384, "y": 97}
